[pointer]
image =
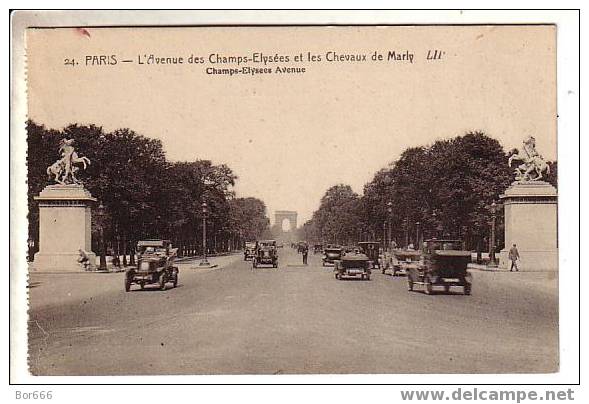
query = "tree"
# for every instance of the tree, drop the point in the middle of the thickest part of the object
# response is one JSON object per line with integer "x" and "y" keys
{"x": 144, "y": 195}
{"x": 337, "y": 218}
{"x": 446, "y": 187}
{"x": 248, "y": 218}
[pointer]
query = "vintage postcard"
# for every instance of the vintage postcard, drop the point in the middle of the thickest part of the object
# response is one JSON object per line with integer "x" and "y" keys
{"x": 289, "y": 199}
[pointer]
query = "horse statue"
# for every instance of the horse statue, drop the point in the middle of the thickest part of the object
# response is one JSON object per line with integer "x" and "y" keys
{"x": 533, "y": 165}
{"x": 63, "y": 171}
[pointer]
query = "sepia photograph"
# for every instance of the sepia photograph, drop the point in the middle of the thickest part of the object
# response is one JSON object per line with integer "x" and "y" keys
{"x": 292, "y": 200}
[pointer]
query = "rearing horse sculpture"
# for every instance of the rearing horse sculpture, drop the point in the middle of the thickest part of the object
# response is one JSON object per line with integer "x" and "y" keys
{"x": 532, "y": 162}
{"x": 63, "y": 170}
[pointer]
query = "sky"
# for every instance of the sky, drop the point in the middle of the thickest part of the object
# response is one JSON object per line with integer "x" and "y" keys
{"x": 290, "y": 136}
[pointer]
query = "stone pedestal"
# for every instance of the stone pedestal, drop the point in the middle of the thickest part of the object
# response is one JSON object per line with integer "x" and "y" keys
{"x": 65, "y": 218}
{"x": 531, "y": 224}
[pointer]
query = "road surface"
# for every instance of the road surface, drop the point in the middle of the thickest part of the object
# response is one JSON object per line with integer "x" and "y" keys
{"x": 290, "y": 320}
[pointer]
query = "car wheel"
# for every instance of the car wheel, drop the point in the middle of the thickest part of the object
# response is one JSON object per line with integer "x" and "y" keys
{"x": 467, "y": 289}
{"x": 163, "y": 282}
{"x": 336, "y": 276}
{"x": 427, "y": 284}
{"x": 447, "y": 288}
{"x": 127, "y": 284}
{"x": 142, "y": 285}
{"x": 175, "y": 283}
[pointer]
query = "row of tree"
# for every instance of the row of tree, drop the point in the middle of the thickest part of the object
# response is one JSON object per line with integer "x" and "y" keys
{"x": 446, "y": 189}
{"x": 143, "y": 195}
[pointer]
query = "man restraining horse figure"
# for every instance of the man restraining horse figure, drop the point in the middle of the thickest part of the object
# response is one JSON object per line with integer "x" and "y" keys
{"x": 532, "y": 162}
{"x": 63, "y": 170}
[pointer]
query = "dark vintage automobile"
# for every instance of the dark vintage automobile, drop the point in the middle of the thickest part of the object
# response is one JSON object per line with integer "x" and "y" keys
{"x": 155, "y": 265}
{"x": 249, "y": 250}
{"x": 331, "y": 255}
{"x": 266, "y": 254}
{"x": 444, "y": 264}
{"x": 404, "y": 259}
{"x": 371, "y": 250}
{"x": 353, "y": 265}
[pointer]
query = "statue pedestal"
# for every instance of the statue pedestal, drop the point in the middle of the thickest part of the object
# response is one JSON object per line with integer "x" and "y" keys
{"x": 65, "y": 217}
{"x": 531, "y": 224}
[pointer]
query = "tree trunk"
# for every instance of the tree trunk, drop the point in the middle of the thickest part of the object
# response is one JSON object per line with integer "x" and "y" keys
{"x": 132, "y": 254}
{"x": 125, "y": 250}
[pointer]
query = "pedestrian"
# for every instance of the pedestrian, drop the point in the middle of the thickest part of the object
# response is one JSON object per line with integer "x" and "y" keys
{"x": 83, "y": 259}
{"x": 305, "y": 253}
{"x": 514, "y": 257}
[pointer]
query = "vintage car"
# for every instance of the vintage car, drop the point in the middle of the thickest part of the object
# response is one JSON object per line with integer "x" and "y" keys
{"x": 371, "y": 250}
{"x": 402, "y": 260}
{"x": 155, "y": 265}
{"x": 249, "y": 250}
{"x": 331, "y": 255}
{"x": 266, "y": 254}
{"x": 353, "y": 265}
{"x": 444, "y": 264}
{"x": 317, "y": 248}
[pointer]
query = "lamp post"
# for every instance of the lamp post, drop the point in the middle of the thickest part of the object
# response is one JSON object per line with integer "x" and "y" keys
{"x": 417, "y": 236}
{"x": 101, "y": 214}
{"x": 437, "y": 224}
{"x": 205, "y": 211}
{"x": 493, "y": 209}
{"x": 390, "y": 219}
{"x": 406, "y": 232}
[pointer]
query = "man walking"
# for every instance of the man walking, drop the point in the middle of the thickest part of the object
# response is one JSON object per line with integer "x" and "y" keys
{"x": 513, "y": 256}
{"x": 305, "y": 253}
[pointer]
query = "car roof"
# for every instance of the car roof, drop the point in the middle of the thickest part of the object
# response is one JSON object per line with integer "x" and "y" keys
{"x": 153, "y": 243}
{"x": 355, "y": 257}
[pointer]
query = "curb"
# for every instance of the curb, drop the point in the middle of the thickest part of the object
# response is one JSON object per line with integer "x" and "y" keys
{"x": 75, "y": 272}
{"x": 204, "y": 266}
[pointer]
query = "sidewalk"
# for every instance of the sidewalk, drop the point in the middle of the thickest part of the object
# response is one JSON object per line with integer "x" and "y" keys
{"x": 485, "y": 267}
{"x": 217, "y": 262}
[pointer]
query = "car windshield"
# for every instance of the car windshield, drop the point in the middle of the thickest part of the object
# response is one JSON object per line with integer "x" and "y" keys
{"x": 451, "y": 246}
{"x": 445, "y": 245}
{"x": 154, "y": 250}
